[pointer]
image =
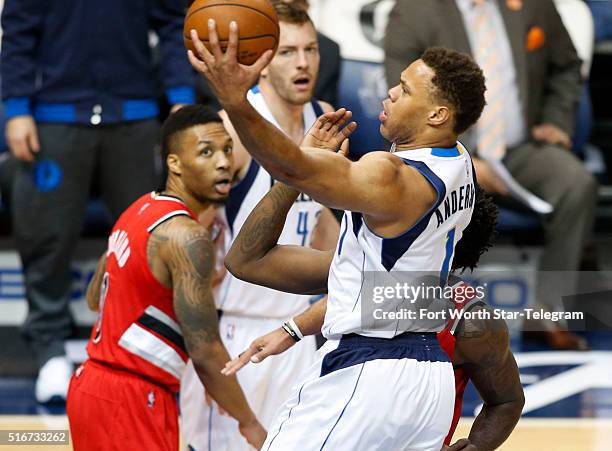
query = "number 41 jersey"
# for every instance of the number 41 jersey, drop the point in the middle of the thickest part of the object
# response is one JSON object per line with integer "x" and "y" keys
{"x": 242, "y": 298}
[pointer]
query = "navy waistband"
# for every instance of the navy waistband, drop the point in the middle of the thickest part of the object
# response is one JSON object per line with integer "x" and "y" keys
{"x": 405, "y": 339}
{"x": 354, "y": 349}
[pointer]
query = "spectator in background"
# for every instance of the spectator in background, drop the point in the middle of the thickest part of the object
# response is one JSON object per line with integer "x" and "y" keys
{"x": 578, "y": 21}
{"x": 329, "y": 72}
{"x": 534, "y": 83}
{"x": 79, "y": 90}
{"x": 326, "y": 88}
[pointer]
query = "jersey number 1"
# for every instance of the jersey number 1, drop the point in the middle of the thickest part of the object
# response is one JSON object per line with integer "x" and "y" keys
{"x": 450, "y": 249}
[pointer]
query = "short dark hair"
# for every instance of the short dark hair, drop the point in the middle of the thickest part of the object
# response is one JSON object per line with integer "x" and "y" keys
{"x": 187, "y": 117}
{"x": 479, "y": 235}
{"x": 183, "y": 119}
{"x": 291, "y": 12}
{"x": 459, "y": 81}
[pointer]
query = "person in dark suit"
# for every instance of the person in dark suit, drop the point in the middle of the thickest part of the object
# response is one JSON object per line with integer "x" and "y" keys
{"x": 79, "y": 92}
{"x": 533, "y": 86}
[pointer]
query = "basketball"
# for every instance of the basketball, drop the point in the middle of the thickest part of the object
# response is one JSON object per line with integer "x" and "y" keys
{"x": 257, "y": 25}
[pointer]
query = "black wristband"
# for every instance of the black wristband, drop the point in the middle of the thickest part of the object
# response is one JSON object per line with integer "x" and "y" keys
{"x": 287, "y": 328}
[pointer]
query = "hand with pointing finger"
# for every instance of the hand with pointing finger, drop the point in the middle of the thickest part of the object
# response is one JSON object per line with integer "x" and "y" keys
{"x": 229, "y": 80}
{"x": 276, "y": 342}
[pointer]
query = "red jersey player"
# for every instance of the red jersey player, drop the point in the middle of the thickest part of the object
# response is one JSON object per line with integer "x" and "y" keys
{"x": 152, "y": 288}
{"x": 479, "y": 348}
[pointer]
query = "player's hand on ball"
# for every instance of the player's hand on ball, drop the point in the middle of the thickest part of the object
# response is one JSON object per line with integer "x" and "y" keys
{"x": 254, "y": 433}
{"x": 330, "y": 133}
{"x": 276, "y": 342}
{"x": 461, "y": 445}
{"x": 229, "y": 80}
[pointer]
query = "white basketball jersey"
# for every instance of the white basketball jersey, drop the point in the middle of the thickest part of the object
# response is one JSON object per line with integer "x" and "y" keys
{"x": 428, "y": 246}
{"x": 242, "y": 298}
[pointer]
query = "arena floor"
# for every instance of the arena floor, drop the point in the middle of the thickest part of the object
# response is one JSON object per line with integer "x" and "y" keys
{"x": 531, "y": 434}
{"x": 568, "y": 402}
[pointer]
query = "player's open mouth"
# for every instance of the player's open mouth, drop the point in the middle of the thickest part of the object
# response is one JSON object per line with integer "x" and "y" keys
{"x": 223, "y": 186}
{"x": 384, "y": 115}
{"x": 302, "y": 82}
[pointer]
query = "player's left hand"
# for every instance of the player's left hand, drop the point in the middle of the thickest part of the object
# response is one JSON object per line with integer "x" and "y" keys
{"x": 461, "y": 445}
{"x": 276, "y": 342}
{"x": 329, "y": 132}
{"x": 551, "y": 134}
{"x": 229, "y": 80}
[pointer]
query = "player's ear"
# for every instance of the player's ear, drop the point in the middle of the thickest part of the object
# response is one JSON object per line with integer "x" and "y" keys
{"x": 174, "y": 164}
{"x": 439, "y": 115}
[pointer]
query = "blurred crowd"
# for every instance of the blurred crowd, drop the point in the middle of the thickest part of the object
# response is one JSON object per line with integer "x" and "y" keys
{"x": 85, "y": 85}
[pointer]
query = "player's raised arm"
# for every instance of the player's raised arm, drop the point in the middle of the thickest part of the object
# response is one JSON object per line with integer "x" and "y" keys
{"x": 369, "y": 186}
{"x": 482, "y": 348}
{"x": 189, "y": 257}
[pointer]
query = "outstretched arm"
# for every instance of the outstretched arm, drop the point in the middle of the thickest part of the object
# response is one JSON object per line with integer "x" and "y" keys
{"x": 278, "y": 341}
{"x": 369, "y": 186}
{"x": 189, "y": 257}
{"x": 483, "y": 349}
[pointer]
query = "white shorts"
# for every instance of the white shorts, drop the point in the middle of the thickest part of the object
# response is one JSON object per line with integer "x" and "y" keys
{"x": 267, "y": 385}
{"x": 370, "y": 394}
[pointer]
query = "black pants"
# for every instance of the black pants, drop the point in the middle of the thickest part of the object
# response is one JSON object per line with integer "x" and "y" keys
{"x": 47, "y": 222}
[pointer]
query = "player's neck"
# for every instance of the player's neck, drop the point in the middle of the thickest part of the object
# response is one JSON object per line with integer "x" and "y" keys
{"x": 427, "y": 141}
{"x": 290, "y": 117}
{"x": 175, "y": 189}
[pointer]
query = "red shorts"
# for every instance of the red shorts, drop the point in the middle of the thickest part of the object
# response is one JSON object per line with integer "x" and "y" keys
{"x": 109, "y": 409}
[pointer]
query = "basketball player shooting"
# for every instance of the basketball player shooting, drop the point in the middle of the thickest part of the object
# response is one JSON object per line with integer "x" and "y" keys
{"x": 152, "y": 290}
{"x": 478, "y": 347}
{"x": 392, "y": 224}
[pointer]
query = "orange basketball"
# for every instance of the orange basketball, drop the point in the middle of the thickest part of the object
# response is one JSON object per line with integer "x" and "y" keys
{"x": 257, "y": 25}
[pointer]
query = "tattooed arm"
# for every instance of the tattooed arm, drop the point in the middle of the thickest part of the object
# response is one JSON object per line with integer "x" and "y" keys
{"x": 256, "y": 257}
{"x": 93, "y": 289}
{"x": 482, "y": 348}
{"x": 186, "y": 252}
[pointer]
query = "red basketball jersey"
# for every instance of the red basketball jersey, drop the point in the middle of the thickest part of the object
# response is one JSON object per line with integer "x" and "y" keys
{"x": 447, "y": 341}
{"x": 136, "y": 330}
